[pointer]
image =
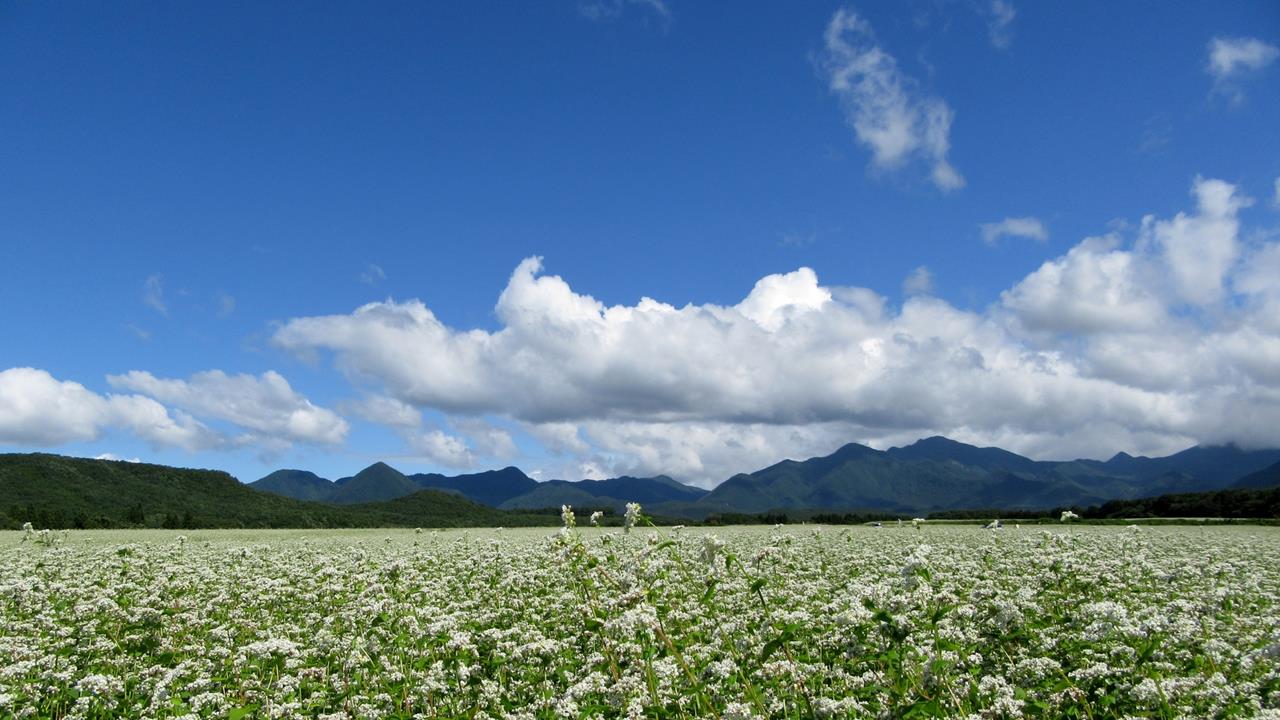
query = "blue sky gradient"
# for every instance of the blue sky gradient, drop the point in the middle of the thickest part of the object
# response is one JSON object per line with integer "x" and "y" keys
{"x": 180, "y": 183}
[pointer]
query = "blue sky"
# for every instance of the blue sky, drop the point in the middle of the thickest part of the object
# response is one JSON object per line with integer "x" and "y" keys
{"x": 859, "y": 222}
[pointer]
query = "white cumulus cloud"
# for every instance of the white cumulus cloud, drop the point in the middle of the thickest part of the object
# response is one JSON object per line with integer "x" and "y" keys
{"x": 888, "y": 112}
{"x": 441, "y": 448}
{"x": 1095, "y": 287}
{"x": 1120, "y": 344}
{"x": 487, "y": 439}
{"x": 384, "y": 411}
{"x": 38, "y": 409}
{"x": 1198, "y": 250}
{"x": 264, "y": 404}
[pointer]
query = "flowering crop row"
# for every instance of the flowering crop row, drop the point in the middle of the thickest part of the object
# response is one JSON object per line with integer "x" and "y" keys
{"x": 793, "y": 622}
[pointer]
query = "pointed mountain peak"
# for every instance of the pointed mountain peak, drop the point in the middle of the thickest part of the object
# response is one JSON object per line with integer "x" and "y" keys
{"x": 852, "y": 450}
{"x": 941, "y": 449}
{"x": 940, "y": 441}
{"x": 379, "y": 468}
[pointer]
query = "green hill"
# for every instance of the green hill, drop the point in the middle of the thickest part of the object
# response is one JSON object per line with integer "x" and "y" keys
{"x": 297, "y": 484}
{"x": 376, "y": 483}
{"x": 56, "y": 491}
{"x": 1234, "y": 503}
{"x": 52, "y": 491}
{"x": 441, "y": 508}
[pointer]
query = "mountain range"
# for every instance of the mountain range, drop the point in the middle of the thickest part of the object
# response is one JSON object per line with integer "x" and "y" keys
{"x": 933, "y": 474}
{"x": 508, "y": 488}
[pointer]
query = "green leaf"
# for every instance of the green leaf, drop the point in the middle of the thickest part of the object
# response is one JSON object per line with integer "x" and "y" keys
{"x": 711, "y": 591}
{"x": 772, "y": 646}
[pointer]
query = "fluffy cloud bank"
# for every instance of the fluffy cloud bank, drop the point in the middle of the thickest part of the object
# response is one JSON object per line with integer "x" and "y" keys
{"x": 1147, "y": 344}
{"x": 38, "y": 409}
{"x": 266, "y": 405}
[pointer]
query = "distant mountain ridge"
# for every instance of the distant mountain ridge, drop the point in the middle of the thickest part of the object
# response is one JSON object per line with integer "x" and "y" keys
{"x": 508, "y": 488}
{"x": 934, "y": 474}
{"x": 1267, "y": 477}
{"x": 938, "y": 473}
{"x": 613, "y": 493}
{"x": 931, "y": 474}
{"x": 493, "y": 487}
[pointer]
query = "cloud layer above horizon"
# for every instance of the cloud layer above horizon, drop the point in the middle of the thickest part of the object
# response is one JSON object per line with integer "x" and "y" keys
{"x": 1148, "y": 342}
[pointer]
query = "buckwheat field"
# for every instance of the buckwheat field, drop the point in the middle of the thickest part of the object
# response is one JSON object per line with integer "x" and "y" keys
{"x": 788, "y": 622}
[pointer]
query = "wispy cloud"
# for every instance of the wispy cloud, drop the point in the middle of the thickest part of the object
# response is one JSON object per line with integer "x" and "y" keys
{"x": 1000, "y": 15}
{"x": 1157, "y": 134}
{"x": 372, "y": 274}
{"x": 797, "y": 239}
{"x": 1023, "y": 227}
{"x": 608, "y": 10}
{"x": 1232, "y": 58}
{"x": 153, "y": 294}
{"x": 226, "y": 305}
{"x": 140, "y": 333}
{"x": 888, "y": 112}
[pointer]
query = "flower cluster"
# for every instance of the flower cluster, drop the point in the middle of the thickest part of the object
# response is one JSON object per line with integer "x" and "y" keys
{"x": 631, "y": 517}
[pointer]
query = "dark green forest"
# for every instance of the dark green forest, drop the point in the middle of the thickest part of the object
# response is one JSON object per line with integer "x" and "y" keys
{"x": 52, "y": 491}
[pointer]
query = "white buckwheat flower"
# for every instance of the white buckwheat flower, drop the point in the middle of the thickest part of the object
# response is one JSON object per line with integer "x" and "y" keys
{"x": 633, "y": 514}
